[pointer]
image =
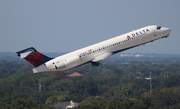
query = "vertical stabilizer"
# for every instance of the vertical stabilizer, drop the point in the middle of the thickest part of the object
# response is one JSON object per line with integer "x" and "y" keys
{"x": 33, "y": 56}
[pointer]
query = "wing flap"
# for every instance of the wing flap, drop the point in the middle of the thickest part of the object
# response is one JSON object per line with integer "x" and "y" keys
{"x": 102, "y": 57}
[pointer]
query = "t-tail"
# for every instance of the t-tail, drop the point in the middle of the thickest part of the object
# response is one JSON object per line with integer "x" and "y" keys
{"x": 33, "y": 56}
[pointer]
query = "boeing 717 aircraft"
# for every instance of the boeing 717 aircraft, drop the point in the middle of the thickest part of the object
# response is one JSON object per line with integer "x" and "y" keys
{"x": 93, "y": 53}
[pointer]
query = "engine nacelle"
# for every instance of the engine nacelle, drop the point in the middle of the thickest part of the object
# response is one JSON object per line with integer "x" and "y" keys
{"x": 68, "y": 63}
{"x": 73, "y": 61}
{"x": 95, "y": 63}
{"x": 60, "y": 65}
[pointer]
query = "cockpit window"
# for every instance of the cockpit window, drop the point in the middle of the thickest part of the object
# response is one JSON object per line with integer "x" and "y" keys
{"x": 158, "y": 27}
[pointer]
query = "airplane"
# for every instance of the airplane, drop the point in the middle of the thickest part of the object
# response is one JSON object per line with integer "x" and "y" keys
{"x": 93, "y": 53}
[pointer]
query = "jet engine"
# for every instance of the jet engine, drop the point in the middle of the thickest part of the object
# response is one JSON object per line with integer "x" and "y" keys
{"x": 60, "y": 65}
{"x": 68, "y": 63}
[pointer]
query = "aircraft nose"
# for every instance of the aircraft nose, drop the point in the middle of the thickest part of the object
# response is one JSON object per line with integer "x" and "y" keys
{"x": 168, "y": 30}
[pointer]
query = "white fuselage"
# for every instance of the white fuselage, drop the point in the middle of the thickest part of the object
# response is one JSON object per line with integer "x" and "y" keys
{"x": 104, "y": 49}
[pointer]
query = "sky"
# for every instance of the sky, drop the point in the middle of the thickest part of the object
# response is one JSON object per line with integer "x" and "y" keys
{"x": 68, "y": 25}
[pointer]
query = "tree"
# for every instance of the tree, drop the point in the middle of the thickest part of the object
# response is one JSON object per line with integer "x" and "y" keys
{"x": 28, "y": 104}
{"x": 51, "y": 100}
{"x": 127, "y": 90}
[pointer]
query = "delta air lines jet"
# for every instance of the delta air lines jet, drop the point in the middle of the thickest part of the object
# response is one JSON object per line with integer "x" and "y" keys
{"x": 93, "y": 53}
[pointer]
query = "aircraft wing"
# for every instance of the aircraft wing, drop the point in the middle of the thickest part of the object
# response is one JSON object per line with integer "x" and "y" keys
{"x": 102, "y": 57}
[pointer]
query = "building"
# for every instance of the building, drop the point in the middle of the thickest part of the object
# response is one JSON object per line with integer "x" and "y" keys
{"x": 75, "y": 74}
{"x": 66, "y": 105}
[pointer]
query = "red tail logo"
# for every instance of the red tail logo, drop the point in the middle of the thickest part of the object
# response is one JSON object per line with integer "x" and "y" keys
{"x": 33, "y": 56}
